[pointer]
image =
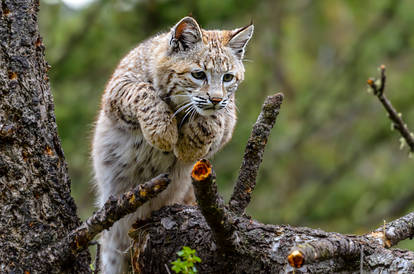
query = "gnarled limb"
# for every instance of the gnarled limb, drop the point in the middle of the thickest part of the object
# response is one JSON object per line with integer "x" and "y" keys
{"x": 262, "y": 248}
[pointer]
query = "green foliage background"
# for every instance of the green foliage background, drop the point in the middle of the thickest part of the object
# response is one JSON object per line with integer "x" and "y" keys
{"x": 332, "y": 161}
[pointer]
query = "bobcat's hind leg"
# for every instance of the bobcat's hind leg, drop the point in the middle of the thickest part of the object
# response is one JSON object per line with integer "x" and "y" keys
{"x": 115, "y": 245}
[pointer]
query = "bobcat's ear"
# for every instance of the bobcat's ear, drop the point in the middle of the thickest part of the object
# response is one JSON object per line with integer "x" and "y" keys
{"x": 238, "y": 40}
{"x": 185, "y": 34}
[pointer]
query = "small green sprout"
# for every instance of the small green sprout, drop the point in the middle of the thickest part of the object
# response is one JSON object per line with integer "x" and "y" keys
{"x": 186, "y": 266}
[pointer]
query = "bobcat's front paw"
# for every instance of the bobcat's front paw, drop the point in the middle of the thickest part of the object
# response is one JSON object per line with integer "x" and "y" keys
{"x": 188, "y": 152}
{"x": 162, "y": 135}
{"x": 196, "y": 139}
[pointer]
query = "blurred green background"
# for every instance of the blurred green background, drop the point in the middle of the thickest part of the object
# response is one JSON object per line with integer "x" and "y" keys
{"x": 332, "y": 160}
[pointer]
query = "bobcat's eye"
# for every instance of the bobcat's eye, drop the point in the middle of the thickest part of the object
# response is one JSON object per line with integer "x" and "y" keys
{"x": 228, "y": 77}
{"x": 199, "y": 75}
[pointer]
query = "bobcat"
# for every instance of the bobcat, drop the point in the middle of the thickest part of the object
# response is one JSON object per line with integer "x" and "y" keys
{"x": 169, "y": 102}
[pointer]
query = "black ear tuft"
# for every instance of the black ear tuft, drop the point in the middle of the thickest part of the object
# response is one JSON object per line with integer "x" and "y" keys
{"x": 185, "y": 34}
{"x": 239, "y": 39}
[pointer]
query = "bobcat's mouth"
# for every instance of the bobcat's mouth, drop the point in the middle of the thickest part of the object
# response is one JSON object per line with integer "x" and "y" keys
{"x": 206, "y": 107}
{"x": 208, "y": 110}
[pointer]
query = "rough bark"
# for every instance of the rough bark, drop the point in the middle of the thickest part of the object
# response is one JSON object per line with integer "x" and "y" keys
{"x": 36, "y": 206}
{"x": 263, "y": 248}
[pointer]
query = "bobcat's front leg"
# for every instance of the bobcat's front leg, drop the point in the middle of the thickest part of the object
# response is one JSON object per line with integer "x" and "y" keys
{"x": 137, "y": 104}
{"x": 196, "y": 138}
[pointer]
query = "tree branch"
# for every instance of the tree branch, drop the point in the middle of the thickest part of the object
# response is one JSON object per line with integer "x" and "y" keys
{"x": 113, "y": 210}
{"x": 351, "y": 246}
{"x": 378, "y": 86}
{"x": 262, "y": 248}
{"x": 253, "y": 154}
{"x": 212, "y": 206}
{"x": 319, "y": 250}
{"x": 397, "y": 230}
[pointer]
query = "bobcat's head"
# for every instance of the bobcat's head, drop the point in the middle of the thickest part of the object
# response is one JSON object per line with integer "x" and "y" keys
{"x": 201, "y": 69}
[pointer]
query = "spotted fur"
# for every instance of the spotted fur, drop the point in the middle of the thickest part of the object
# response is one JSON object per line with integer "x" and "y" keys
{"x": 169, "y": 102}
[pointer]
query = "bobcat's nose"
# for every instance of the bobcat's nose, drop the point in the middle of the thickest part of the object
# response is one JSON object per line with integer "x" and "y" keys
{"x": 216, "y": 100}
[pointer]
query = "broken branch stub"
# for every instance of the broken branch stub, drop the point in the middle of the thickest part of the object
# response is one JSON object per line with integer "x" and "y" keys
{"x": 212, "y": 205}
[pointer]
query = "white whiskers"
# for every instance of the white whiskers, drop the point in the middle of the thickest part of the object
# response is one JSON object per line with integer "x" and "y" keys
{"x": 188, "y": 111}
{"x": 186, "y": 104}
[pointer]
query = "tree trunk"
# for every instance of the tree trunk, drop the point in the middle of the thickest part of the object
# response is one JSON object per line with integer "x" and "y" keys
{"x": 36, "y": 206}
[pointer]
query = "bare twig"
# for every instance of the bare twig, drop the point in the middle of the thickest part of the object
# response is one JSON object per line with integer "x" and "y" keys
{"x": 378, "y": 88}
{"x": 253, "y": 154}
{"x": 367, "y": 146}
{"x": 113, "y": 210}
{"x": 388, "y": 235}
{"x": 212, "y": 205}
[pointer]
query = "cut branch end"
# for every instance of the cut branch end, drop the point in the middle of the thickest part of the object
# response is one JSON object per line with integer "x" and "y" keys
{"x": 296, "y": 259}
{"x": 212, "y": 206}
{"x": 201, "y": 170}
